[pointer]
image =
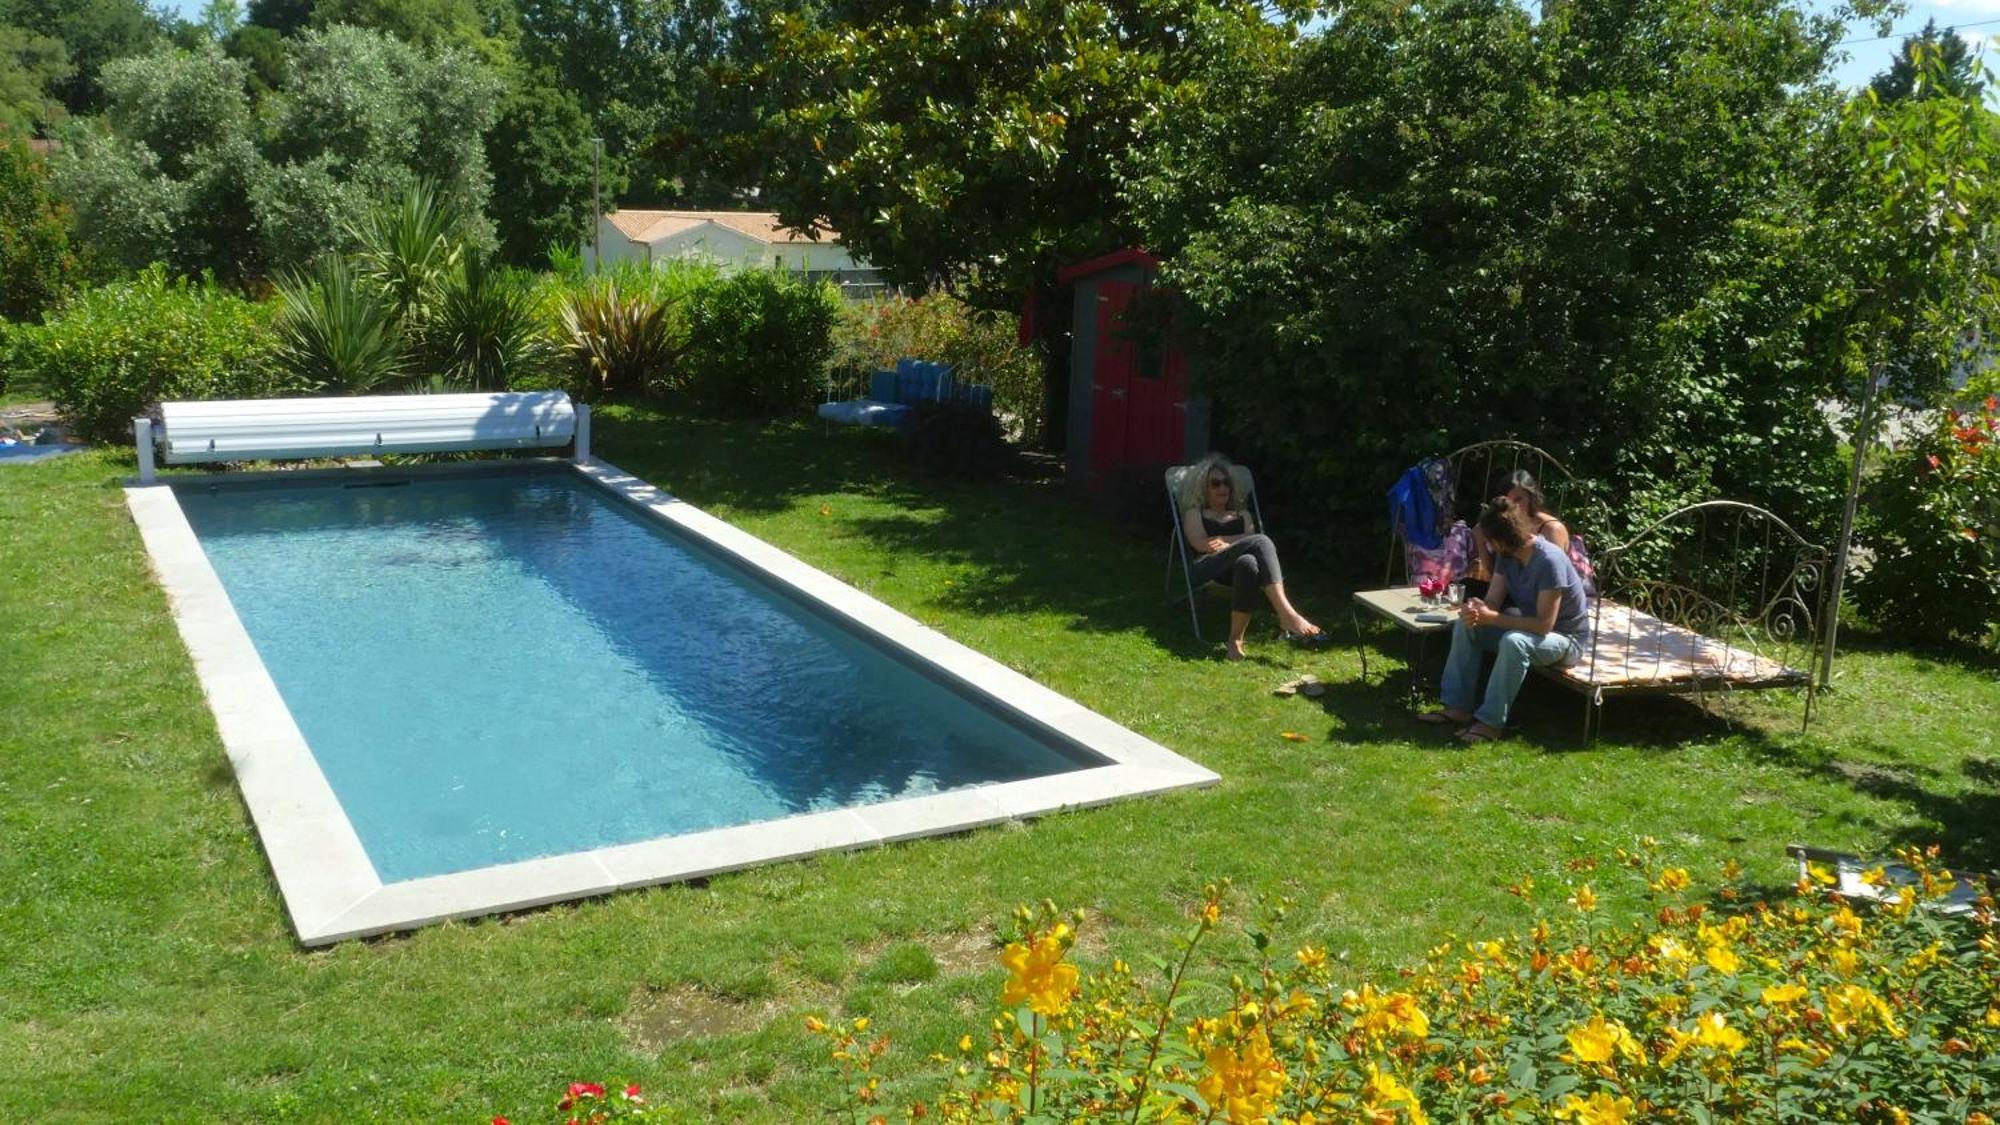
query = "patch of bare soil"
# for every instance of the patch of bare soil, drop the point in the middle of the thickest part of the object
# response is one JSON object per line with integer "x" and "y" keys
{"x": 660, "y": 1017}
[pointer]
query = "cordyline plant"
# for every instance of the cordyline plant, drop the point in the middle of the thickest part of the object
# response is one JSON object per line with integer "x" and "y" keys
{"x": 1812, "y": 1008}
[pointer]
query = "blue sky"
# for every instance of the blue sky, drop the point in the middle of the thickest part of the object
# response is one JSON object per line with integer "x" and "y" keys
{"x": 1980, "y": 20}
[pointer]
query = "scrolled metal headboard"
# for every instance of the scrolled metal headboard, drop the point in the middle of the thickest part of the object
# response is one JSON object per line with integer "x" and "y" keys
{"x": 1729, "y": 571}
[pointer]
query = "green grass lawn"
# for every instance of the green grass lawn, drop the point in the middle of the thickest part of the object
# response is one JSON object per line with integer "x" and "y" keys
{"x": 149, "y": 973}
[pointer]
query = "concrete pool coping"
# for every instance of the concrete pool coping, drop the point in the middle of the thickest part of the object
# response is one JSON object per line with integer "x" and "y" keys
{"x": 329, "y": 884}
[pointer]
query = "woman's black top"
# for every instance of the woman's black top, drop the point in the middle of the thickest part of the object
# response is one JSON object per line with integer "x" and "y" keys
{"x": 1233, "y": 525}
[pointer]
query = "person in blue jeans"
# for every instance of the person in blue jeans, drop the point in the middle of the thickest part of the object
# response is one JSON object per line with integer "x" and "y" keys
{"x": 1542, "y": 618}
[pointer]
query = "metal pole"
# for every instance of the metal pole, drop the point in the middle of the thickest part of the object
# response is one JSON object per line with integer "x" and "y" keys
{"x": 596, "y": 206}
{"x": 582, "y": 433}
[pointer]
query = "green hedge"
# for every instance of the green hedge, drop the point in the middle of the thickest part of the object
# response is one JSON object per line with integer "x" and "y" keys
{"x": 758, "y": 342}
{"x": 113, "y": 351}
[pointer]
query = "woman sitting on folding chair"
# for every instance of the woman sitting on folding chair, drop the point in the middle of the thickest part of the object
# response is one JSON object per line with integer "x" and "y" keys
{"x": 1230, "y": 549}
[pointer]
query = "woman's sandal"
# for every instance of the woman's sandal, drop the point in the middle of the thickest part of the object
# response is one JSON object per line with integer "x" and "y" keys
{"x": 1475, "y": 734}
{"x": 1440, "y": 719}
{"x": 1319, "y": 639}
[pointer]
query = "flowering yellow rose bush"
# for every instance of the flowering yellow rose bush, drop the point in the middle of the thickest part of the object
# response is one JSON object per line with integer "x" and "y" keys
{"x": 1808, "y": 1008}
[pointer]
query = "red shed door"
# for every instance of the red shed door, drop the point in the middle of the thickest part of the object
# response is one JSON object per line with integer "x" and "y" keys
{"x": 1111, "y": 379}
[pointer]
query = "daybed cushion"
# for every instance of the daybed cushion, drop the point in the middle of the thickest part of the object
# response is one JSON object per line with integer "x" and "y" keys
{"x": 1637, "y": 650}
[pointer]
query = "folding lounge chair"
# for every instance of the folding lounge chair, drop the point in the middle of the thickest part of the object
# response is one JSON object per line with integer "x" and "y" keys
{"x": 1178, "y": 541}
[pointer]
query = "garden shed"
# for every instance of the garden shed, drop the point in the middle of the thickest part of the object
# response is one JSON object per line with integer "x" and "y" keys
{"x": 1129, "y": 407}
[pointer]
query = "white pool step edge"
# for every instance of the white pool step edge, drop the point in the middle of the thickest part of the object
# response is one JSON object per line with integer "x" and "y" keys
{"x": 329, "y": 885}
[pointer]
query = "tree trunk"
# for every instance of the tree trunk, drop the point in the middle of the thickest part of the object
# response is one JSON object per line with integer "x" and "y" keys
{"x": 1864, "y": 436}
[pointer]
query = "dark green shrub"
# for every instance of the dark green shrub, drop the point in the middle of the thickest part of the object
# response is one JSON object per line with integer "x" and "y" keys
{"x": 335, "y": 333}
{"x": 982, "y": 346}
{"x": 758, "y": 343}
{"x": 957, "y": 439}
{"x": 1932, "y": 519}
{"x": 485, "y": 331}
{"x": 115, "y": 350}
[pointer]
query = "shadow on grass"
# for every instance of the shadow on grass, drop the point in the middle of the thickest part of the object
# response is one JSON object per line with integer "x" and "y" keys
{"x": 1952, "y": 654}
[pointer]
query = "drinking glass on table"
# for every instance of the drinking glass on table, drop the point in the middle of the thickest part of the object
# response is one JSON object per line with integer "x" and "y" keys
{"x": 1455, "y": 595}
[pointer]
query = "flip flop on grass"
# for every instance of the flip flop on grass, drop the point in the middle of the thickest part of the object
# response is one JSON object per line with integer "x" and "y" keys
{"x": 1442, "y": 718}
{"x": 1478, "y": 733}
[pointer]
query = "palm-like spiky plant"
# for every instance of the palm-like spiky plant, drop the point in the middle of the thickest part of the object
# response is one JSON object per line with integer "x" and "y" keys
{"x": 334, "y": 333}
{"x": 483, "y": 331}
{"x": 617, "y": 341}
{"x": 407, "y": 250}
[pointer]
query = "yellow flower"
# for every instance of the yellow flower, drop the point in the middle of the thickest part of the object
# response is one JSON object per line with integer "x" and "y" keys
{"x": 1922, "y": 962}
{"x": 1722, "y": 959}
{"x": 1820, "y": 873}
{"x": 1712, "y": 1030}
{"x": 1673, "y": 879}
{"x": 1846, "y": 962}
{"x": 1601, "y": 1109}
{"x": 1383, "y": 1091}
{"x": 1243, "y": 1084}
{"x": 1386, "y": 1014}
{"x": 1852, "y": 1007}
{"x": 1600, "y": 1041}
{"x": 1312, "y": 957}
{"x": 1585, "y": 899}
{"x": 1037, "y": 974}
{"x": 1902, "y": 904}
{"x": 1779, "y": 995}
{"x": 1847, "y": 922}
{"x": 965, "y": 1042}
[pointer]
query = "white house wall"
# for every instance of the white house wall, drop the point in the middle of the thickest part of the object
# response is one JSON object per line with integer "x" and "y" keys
{"x": 725, "y": 246}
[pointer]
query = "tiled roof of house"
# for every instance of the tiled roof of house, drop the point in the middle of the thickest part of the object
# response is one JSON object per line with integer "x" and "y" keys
{"x": 651, "y": 226}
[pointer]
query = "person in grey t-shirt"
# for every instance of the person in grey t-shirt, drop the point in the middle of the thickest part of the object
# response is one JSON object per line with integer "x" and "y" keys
{"x": 1543, "y": 618}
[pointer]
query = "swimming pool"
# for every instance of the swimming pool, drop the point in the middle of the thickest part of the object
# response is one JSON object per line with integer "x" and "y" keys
{"x": 473, "y": 688}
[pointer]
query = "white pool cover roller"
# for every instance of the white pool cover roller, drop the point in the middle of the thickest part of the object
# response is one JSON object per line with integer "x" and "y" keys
{"x": 273, "y": 429}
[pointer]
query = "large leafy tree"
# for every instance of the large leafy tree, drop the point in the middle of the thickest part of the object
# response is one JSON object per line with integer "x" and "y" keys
{"x": 166, "y": 174}
{"x": 30, "y": 65}
{"x": 93, "y": 33}
{"x": 1453, "y": 220}
{"x": 182, "y": 170}
{"x": 649, "y": 76}
{"x": 980, "y": 145}
{"x": 364, "y": 117}
{"x": 540, "y": 150}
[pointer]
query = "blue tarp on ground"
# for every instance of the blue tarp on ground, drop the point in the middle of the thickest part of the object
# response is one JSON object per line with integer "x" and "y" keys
{"x": 26, "y": 454}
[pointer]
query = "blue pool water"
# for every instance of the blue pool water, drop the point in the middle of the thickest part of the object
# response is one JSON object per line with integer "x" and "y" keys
{"x": 495, "y": 668}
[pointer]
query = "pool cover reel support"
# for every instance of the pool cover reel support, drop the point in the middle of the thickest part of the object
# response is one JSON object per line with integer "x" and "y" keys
{"x": 142, "y": 436}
